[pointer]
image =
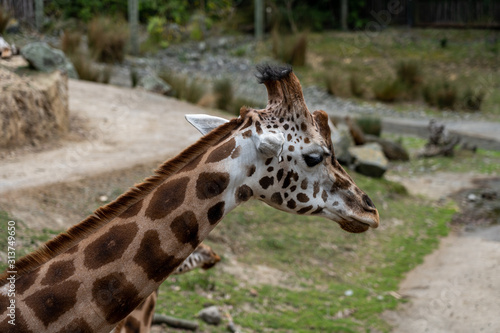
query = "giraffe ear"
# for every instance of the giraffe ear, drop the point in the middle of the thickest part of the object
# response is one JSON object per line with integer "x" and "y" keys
{"x": 205, "y": 123}
{"x": 269, "y": 144}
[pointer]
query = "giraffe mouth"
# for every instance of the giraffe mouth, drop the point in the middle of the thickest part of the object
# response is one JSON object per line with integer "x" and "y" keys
{"x": 354, "y": 225}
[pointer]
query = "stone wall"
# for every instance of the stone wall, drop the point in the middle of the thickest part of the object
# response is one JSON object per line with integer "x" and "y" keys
{"x": 32, "y": 109}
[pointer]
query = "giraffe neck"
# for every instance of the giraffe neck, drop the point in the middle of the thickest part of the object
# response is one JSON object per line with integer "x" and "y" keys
{"x": 101, "y": 279}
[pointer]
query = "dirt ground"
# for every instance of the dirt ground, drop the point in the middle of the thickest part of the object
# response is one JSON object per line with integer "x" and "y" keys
{"x": 121, "y": 134}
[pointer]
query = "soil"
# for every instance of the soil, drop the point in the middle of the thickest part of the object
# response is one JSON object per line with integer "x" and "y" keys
{"x": 119, "y": 135}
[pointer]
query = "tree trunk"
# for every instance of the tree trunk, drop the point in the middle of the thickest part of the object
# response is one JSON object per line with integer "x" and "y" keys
{"x": 343, "y": 15}
{"x": 39, "y": 14}
{"x": 259, "y": 19}
{"x": 133, "y": 21}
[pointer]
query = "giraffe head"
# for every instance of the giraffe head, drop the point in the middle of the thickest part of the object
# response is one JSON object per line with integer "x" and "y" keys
{"x": 209, "y": 257}
{"x": 289, "y": 158}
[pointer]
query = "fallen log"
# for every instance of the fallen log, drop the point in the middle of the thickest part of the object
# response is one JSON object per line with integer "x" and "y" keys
{"x": 159, "y": 319}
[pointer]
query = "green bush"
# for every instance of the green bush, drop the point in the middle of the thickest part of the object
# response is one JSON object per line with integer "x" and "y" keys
{"x": 88, "y": 71}
{"x": 290, "y": 49}
{"x": 224, "y": 94}
{"x": 355, "y": 85}
{"x": 336, "y": 84}
{"x": 408, "y": 73}
{"x": 472, "y": 99}
{"x": 190, "y": 90}
{"x": 441, "y": 94}
{"x": 387, "y": 90}
{"x": 4, "y": 19}
{"x": 370, "y": 125}
{"x": 70, "y": 41}
{"x": 108, "y": 38}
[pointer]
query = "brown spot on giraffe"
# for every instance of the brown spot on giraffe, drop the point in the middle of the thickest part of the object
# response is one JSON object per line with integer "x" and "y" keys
{"x": 279, "y": 175}
{"x": 193, "y": 164}
{"x": 276, "y": 198}
{"x": 266, "y": 181}
{"x": 132, "y": 210}
{"x": 110, "y": 246}
{"x": 251, "y": 170}
{"x": 211, "y": 184}
{"x": 132, "y": 325}
{"x": 247, "y": 134}
{"x": 304, "y": 210}
{"x": 115, "y": 296}
{"x": 72, "y": 249}
{"x": 185, "y": 228}
{"x": 167, "y": 198}
{"x": 291, "y": 204}
{"x": 216, "y": 212}
{"x": 156, "y": 263}
{"x": 222, "y": 152}
{"x": 49, "y": 303}
{"x": 58, "y": 272}
{"x": 243, "y": 193}
{"x": 302, "y": 197}
{"x": 303, "y": 184}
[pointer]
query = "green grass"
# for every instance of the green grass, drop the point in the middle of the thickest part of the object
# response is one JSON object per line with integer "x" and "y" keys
{"x": 320, "y": 263}
{"x": 469, "y": 61}
{"x": 486, "y": 162}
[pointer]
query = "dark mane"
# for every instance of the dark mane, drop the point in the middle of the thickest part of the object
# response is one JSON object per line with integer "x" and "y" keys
{"x": 267, "y": 72}
{"x": 106, "y": 213}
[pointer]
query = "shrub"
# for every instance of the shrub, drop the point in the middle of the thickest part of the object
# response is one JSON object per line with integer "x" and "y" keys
{"x": 387, "y": 90}
{"x": 370, "y": 125}
{"x": 442, "y": 94}
{"x": 88, "y": 71}
{"x": 4, "y": 19}
{"x": 336, "y": 84}
{"x": 408, "y": 73}
{"x": 291, "y": 50}
{"x": 355, "y": 85}
{"x": 223, "y": 91}
{"x": 108, "y": 38}
{"x": 70, "y": 41}
{"x": 156, "y": 31}
{"x": 472, "y": 100}
{"x": 185, "y": 89}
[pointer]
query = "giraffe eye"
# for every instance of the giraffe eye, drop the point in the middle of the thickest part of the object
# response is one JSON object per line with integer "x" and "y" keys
{"x": 312, "y": 159}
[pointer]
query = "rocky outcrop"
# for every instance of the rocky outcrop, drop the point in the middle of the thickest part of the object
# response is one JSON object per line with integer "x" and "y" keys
{"x": 151, "y": 82}
{"x": 44, "y": 58}
{"x": 392, "y": 150}
{"x": 342, "y": 141}
{"x": 369, "y": 160}
{"x": 32, "y": 109}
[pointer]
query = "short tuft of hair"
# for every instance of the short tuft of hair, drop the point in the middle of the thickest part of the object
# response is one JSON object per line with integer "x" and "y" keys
{"x": 267, "y": 72}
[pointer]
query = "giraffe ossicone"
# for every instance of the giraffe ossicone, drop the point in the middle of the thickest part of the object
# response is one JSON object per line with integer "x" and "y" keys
{"x": 92, "y": 276}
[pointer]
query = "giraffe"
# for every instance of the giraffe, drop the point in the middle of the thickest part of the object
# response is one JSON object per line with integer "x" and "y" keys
{"x": 92, "y": 276}
{"x": 141, "y": 318}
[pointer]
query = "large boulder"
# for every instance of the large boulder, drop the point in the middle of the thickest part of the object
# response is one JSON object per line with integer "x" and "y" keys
{"x": 392, "y": 150}
{"x": 369, "y": 160}
{"x": 32, "y": 109}
{"x": 151, "y": 82}
{"x": 342, "y": 141}
{"x": 47, "y": 59}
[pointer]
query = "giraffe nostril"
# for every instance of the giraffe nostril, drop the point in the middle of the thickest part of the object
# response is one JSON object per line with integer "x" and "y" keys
{"x": 368, "y": 201}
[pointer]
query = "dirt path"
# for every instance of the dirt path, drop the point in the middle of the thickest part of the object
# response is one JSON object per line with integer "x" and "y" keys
{"x": 456, "y": 289}
{"x": 126, "y": 127}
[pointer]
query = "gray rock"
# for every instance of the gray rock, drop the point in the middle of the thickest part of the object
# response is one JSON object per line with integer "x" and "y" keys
{"x": 47, "y": 59}
{"x": 369, "y": 160}
{"x": 151, "y": 82}
{"x": 342, "y": 141}
{"x": 392, "y": 150}
{"x": 210, "y": 315}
